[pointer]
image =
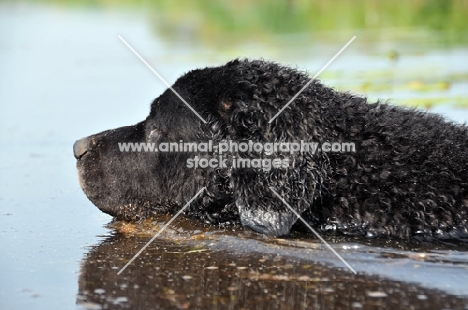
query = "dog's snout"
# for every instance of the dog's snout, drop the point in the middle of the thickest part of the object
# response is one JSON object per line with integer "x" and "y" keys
{"x": 80, "y": 147}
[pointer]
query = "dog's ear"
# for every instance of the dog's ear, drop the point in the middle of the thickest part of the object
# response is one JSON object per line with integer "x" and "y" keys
{"x": 256, "y": 92}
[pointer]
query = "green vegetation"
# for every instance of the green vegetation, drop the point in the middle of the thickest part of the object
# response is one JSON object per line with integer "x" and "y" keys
{"x": 218, "y": 20}
{"x": 289, "y": 30}
{"x": 228, "y": 21}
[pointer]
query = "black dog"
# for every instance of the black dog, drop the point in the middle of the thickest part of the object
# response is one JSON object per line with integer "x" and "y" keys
{"x": 406, "y": 177}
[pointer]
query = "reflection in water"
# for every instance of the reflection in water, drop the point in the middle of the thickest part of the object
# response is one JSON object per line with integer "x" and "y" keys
{"x": 200, "y": 269}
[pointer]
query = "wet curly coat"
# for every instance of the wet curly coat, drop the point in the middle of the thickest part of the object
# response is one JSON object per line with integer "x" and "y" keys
{"x": 407, "y": 178}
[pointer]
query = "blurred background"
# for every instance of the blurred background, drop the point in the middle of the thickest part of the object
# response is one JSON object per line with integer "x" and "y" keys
{"x": 64, "y": 74}
{"x": 413, "y": 52}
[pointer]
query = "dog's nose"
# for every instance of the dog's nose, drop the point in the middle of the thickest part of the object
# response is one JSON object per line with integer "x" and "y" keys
{"x": 80, "y": 148}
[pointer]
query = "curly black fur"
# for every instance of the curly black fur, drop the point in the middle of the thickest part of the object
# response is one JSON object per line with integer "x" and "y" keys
{"x": 408, "y": 176}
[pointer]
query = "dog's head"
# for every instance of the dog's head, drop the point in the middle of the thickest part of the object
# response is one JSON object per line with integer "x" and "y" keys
{"x": 234, "y": 102}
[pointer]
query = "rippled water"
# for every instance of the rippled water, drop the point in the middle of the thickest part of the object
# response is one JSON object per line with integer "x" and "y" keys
{"x": 65, "y": 74}
{"x": 190, "y": 266}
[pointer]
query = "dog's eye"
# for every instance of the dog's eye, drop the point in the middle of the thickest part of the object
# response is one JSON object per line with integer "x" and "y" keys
{"x": 154, "y": 135}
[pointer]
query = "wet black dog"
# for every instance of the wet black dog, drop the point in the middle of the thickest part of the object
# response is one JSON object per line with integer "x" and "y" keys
{"x": 406, "y": 176}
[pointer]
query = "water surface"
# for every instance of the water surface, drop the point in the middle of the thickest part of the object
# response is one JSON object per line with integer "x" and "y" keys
{"x": 65, "y": 75}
